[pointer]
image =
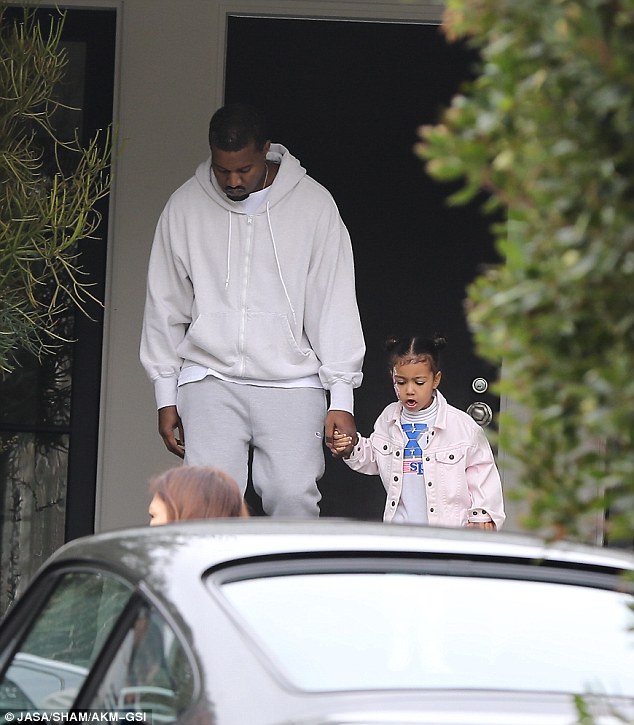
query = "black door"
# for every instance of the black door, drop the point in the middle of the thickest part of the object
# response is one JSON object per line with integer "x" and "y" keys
{"x": 347, "y": 98}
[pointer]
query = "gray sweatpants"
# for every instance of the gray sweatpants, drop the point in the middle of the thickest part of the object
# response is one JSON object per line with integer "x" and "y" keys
{"x": 284, "y": 426}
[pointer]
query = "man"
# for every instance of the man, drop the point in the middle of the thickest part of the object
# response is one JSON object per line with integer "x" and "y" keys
{"x": 251, "y": 316}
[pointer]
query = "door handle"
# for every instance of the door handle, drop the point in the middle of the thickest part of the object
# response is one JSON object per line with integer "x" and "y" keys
{"x": 481, "y": 413}
{"x": 480, "y": 385}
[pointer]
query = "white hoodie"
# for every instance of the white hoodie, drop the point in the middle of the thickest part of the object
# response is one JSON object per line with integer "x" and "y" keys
{"x": 265, "y": 296}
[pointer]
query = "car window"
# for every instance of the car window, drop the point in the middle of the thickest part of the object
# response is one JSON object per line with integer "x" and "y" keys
{"x": 347, "y": 631}
{"x": 150, "y": 671}
{"x": 54, "y": 658}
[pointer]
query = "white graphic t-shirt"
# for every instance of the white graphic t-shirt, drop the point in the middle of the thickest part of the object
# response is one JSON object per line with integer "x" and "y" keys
{"x": 412, "y": 506}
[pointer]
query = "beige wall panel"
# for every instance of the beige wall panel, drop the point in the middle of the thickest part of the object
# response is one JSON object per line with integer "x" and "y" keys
{"x": 166, "y": 92}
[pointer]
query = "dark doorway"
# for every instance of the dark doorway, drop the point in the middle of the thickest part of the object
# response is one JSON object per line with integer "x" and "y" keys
{"x": 347, "y": 99}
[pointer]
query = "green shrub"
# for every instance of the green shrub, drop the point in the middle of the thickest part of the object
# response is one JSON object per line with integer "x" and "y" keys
{"x": 547, "y": 130}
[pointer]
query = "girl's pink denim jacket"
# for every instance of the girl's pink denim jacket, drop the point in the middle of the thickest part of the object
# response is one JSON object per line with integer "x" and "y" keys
{"x": 462, "y": 482}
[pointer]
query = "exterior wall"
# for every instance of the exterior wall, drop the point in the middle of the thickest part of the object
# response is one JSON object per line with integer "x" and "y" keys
{"x": 169, "y": 80}
{"x": 166, "y": 90}
{"x": 165, "y": 87}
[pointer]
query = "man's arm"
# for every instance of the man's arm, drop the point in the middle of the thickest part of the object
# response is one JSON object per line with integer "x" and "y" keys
{"x": 168, "y": 421}
{"x": 166, "y": 319}
{"x": 344, "y": 422}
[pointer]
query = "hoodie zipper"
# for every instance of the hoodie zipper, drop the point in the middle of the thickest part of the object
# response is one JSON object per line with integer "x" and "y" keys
{"x": 243, "y": 296}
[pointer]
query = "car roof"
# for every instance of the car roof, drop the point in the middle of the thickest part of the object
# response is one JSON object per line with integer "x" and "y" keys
{"x": 203, "y": 545}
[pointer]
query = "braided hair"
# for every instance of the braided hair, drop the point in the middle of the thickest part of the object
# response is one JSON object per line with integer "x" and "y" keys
{"x": 415, "y": 348}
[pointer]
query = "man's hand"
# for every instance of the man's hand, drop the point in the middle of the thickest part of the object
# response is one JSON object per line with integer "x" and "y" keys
{"x": 342, "y": 421}
{"x": 169, "y": 421}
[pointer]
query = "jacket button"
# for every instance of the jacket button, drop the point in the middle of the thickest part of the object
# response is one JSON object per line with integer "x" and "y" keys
{"x": 385, "y": 448}
{"x": 431, "y": 510}
{"x": 451, "y": 457}
{"x": 393, "y": 503}
{"x": 398, "y": 453}
{"x": 429, "y": 484}
{"x": 396, "y": 478}
{"x": 427, "y": 459}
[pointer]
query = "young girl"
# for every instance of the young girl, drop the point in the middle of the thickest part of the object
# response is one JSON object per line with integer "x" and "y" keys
{"x": 194, "y": 492}
{"x": 434, "y": 460}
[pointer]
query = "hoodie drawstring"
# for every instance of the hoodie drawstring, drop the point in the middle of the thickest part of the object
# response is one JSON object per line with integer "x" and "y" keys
{"x": 228, "y": 254}
{"x": 277, "y": 260}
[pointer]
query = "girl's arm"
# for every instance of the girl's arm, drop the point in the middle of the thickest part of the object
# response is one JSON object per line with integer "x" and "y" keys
{"x": 484, "y": 484}
{"x": 342, "y": 444}
{"x": 360, "y": 456}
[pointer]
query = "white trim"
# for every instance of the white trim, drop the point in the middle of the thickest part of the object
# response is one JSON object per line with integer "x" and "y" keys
{"x": 395, "y": 11}
{"x": 110, "y": 249}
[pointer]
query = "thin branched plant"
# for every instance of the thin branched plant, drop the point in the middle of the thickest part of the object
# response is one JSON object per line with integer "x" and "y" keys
{"x": 49, "y": 191}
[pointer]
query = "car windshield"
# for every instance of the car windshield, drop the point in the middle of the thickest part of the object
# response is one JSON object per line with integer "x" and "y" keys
{"x": 349, "y": 631}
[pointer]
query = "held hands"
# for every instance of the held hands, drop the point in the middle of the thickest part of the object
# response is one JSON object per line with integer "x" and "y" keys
{"x": 341, "y": 432}
{"x": 342, "y": 444}
{"x": 168, "y": 422}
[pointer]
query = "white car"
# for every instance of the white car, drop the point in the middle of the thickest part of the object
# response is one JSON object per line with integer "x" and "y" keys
{"x": 263, "y": 622}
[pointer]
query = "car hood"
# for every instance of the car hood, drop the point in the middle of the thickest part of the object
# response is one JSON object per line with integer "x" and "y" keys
{"x": 473, "y": 708}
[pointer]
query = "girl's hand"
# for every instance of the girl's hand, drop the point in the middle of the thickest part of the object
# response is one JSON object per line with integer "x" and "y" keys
{"x": 342, "y": 444}
{"x": 488, "y": 525}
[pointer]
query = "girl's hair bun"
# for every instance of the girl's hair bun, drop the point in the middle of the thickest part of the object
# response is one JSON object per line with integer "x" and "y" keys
{"x": 415, "y": 347}
{"x": 391, "y": 342}
{"x": 424, "y": 343}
